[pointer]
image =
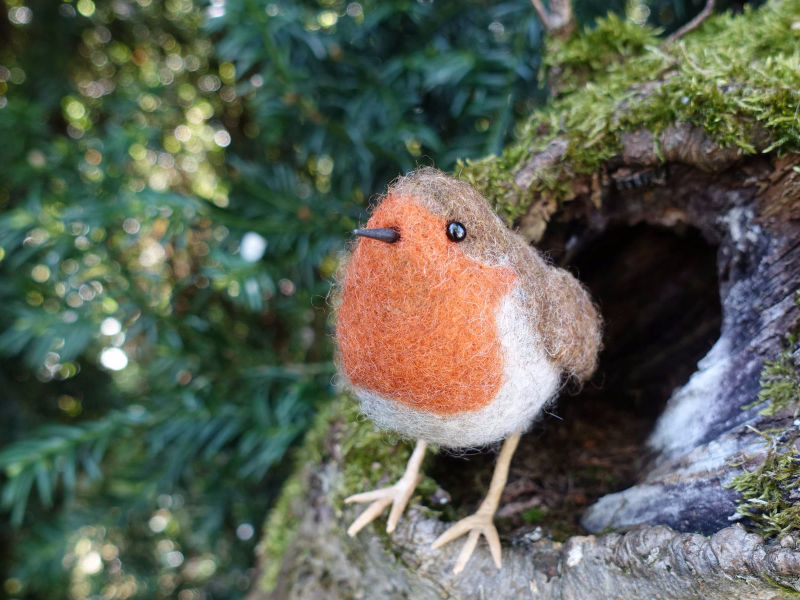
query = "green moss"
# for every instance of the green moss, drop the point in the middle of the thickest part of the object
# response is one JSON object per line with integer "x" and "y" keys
{"x": 736, "y": 74}
{"x": 591, "y": 54}
{"x": 369, "y": 456}
{"x": 533, "y": 515}
{"x": 282, "y": 521}
{"x": 780, "y": 382}
{"x": 366, "y": 457}
{"x": 786, "y": 590}
{"x": 770, "y": 493}
{"x": 279, "y": 530}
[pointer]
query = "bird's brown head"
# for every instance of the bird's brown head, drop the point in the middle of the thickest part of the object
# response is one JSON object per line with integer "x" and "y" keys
{"x": 455, "y": 213}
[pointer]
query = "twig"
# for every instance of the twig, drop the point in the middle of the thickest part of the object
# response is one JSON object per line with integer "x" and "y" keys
{"x": 542, "y": 12}
{"x": 558, "y": 20}
{"x": 693, "y": 24}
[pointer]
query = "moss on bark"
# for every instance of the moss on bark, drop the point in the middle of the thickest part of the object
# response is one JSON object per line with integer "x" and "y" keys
{"x": 770, "y": 491}
{"x": 737, "y": 78}
{"x": 369, "y": 459}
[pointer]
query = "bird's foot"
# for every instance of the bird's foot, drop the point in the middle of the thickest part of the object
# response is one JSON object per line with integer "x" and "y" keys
{"x": 397, "y": 495}
{"x": 482, "y": 522}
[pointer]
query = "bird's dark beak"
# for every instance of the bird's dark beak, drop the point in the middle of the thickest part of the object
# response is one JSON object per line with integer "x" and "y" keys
{"x": 386, "y": 234}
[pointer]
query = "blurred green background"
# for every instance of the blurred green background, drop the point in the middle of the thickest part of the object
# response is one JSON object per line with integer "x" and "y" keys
{"x": 176, "y": 180}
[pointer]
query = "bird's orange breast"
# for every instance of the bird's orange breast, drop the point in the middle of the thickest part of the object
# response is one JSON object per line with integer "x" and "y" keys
{"x": 418, "y": 318}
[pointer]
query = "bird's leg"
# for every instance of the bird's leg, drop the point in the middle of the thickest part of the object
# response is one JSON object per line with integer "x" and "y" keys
{"x": 482, "y": 522}
{"x": 397, "y": 495}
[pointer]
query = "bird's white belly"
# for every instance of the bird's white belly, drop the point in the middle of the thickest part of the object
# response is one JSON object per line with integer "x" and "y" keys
{"x": 530, "y": 380}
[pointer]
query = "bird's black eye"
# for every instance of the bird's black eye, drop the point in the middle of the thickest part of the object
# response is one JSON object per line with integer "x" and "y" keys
{"x": 456, "y": 231}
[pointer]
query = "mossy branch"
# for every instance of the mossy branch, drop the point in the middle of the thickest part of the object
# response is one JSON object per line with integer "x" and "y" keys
{"x": 727, "y": 90}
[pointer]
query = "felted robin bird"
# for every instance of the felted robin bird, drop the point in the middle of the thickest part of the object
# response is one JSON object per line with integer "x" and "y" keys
{"x": 452, "y": 330}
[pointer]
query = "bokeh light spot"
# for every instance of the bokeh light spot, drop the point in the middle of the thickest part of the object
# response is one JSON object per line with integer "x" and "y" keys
{"x": 75, "y": 110}
{"x": 227, "y": 71}
{"x": 137, "y": 152}
{"x": 17, "y": 75}
{"x": 327, "y": 18}
{"x": 70, "y": 405}
{"x": 183, "y": 133}
{"x": 245, "y": 531}
{"x": 93, "y": 157}
{"x": 157, "y": 523}
{"x": 174, "y": 558}
{"x": 286, "y": 287}
{"x": 252, "y": 247}
{"x": 36, "y": 159}
{"x": 110, "y": 326}
{"x": 325, "y": 165}
{"x": 113, "y": 359}
{"x": 85, "y": 7}
{"x": 91, "y": 563}
{"x": 222, "y": 138}
{"x": 131, "y": 226}
{"x": 12, "y": 586}
{"x": 20, "y": 15}
{"x": 74, "y": 300}
{"x": 355, "y": 10}
{"x": 40, "y": 273}
{"x": 149, "y": 102}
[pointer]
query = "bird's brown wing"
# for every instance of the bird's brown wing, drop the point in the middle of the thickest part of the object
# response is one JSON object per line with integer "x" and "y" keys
{"x": 563, "y": 314}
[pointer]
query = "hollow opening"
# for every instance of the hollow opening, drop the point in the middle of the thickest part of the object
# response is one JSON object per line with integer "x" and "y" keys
{"x": 658, "y": 292}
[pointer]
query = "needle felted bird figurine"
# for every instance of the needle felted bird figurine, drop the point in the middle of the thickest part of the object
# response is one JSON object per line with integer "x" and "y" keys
{"x": 452, "y": 330}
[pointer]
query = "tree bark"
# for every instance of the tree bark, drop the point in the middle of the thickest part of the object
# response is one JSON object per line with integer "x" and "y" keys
{"x": 647, "y": 562}
{"x": 749, "y": 211}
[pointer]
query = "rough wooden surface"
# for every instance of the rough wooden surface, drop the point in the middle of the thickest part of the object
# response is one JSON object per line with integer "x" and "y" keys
{"x": 703, "y": 431}
{"x": 648, "y": 562}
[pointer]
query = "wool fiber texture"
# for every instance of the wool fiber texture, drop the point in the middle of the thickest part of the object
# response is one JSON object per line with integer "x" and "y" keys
{"x": 530, "y": 380}
{"x": 418, "y": 317}
{"x": 458, "y": 343}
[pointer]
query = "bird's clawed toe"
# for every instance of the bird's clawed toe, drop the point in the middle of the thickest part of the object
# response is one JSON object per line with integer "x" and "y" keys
{"x": 397, "y": 495}
{"x": 474, "y": 525}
